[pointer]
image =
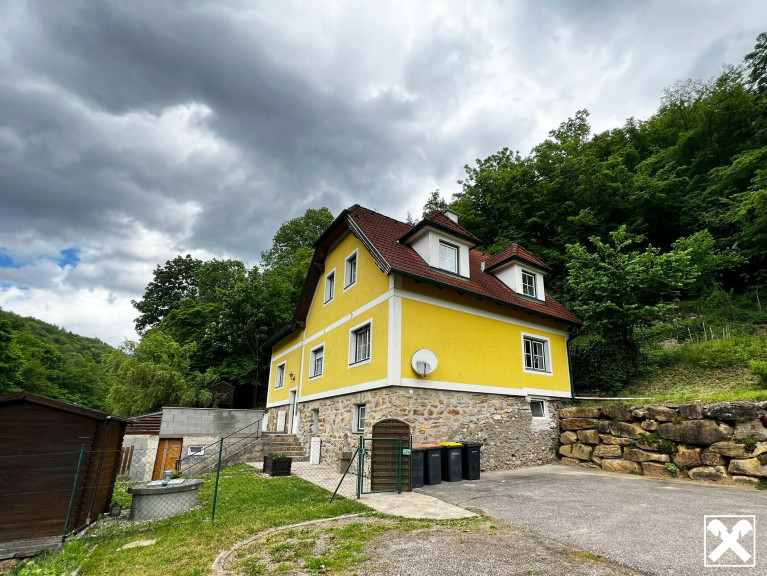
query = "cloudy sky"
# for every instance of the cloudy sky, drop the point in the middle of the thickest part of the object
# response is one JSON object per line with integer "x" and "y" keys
{"x": 131, "y": 132}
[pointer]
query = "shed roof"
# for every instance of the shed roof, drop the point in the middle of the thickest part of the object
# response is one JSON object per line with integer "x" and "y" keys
{"x": 58, "y": 405}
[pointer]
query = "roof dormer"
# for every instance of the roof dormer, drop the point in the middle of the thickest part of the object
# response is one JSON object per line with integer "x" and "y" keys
{"x": 520, "y": 271}
{"x": 442, "y": 242}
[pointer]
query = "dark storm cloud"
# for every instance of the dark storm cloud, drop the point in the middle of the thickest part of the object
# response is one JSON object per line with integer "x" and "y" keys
{"x": 131, "y": 132}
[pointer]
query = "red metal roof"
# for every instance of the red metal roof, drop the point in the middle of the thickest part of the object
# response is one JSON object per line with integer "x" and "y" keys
{"x": 383, "y": 233}
{"x": 513, "y": 252}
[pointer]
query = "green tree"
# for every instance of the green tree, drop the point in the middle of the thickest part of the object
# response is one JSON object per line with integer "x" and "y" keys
{"x": 616, "y": 287}
{"x": 435, "y": 203}
{"x": 153, "y": 373}
{"x": 10, "y": 357}
{"x": 756, "y": 62}
{"x": 172, "y": 283}
{"x": 296, "y": 236}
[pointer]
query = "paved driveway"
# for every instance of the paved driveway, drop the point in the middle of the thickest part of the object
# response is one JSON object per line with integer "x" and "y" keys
{"x": 651, "y": 525}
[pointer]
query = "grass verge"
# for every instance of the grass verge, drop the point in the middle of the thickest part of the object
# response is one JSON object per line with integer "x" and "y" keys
{"x": 188, "y": 544}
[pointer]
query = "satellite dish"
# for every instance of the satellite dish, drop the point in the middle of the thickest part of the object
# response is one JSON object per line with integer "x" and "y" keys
{"x": 424, "y": 362}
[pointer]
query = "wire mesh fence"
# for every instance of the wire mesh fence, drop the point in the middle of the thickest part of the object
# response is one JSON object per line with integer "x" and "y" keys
{"x": 150, "y": 481}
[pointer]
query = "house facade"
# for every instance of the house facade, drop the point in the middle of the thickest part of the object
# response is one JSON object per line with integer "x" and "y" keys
{"x": 415, "y": 323}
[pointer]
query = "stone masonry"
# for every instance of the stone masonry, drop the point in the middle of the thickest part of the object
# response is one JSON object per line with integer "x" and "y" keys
{"x": 725, "y": 442}
{"x": 504, "y": 424}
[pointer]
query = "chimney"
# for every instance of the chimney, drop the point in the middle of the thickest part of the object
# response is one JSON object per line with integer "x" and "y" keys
{"x": 452, "y": 215}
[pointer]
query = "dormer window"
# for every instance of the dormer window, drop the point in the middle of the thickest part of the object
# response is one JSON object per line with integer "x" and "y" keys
{"x": 528, "y": 284}
{"x": 448, "y": 257}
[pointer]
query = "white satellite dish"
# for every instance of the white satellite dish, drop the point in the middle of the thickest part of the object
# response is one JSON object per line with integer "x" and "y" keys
{"x": 424, "y": 362}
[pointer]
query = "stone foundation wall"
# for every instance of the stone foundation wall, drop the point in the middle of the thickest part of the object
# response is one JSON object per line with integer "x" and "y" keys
{"x": 504, "y": 424}
{"x": 723, "y": 442}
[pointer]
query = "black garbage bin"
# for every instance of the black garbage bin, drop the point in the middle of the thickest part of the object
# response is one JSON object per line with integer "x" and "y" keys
{"x": 451, "y": 463}
{"x": 471, "y": 460}
{"x": 432, "y": 464}
{"x": 417, "y": 456}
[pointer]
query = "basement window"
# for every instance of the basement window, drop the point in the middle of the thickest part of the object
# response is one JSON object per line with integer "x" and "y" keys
{"x": 359, "y": 418}
{"x": 196, "y": 451}
{"x": 538, "y": 408}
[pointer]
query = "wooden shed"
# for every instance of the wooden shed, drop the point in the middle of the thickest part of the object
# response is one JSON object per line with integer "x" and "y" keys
{"x": 40, "y": 446}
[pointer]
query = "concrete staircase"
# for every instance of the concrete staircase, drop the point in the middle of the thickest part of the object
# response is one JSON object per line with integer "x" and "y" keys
{"x": 287, "y": 444}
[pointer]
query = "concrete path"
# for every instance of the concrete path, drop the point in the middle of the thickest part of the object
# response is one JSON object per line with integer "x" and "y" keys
{"x": 651, "y": 525}
{"x": 407, "y": 504}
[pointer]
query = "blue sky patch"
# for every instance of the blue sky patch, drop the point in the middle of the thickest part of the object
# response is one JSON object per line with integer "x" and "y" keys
{"x": 69, "y": 257}
{"x": 6, "y": 260}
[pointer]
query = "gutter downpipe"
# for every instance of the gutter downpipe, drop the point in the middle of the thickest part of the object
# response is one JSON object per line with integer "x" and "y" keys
{"x": 570, "y": 363}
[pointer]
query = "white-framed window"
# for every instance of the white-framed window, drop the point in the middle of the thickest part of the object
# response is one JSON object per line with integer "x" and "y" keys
{"x": 195, "y": 451}
{"x": 330, "y": 286}
{"x": 528, "y": 284}
{"x": 279, "y": 377}
{"x": 316, "y": 361}
{"x": 448, "y": 257}
{"x": 538, "y": 408}
{"x": 535, "y": 354}
{"x": 350, "y": 271}
{"x": 360, "y": 343}
{"x": 359, "y": 418}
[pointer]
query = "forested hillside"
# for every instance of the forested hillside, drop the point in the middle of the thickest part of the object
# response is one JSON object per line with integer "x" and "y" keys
{"x": 635, "y": 218}
{"x": 44, "y": 359}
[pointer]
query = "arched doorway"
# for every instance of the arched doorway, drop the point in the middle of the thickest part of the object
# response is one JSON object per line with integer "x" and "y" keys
{"x": 383, "y": 459}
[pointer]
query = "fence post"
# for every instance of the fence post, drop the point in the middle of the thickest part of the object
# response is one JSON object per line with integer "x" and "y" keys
{"x": 74, "y": 492}
{"x": 218, "y": 473}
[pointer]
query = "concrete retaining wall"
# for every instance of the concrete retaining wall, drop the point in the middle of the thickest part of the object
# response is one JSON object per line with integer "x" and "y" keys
{"x": 206, "y": 422}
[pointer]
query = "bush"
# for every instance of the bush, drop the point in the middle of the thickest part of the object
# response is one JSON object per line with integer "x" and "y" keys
{"x": 759, "y": 368}
{"x": 604, "y": 365}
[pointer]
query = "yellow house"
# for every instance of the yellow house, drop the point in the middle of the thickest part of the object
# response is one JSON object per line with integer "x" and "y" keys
{"x": 415, "y": 323}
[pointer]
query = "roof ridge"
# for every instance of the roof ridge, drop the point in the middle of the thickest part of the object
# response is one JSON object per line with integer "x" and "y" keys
{"x": 357, "y": 206}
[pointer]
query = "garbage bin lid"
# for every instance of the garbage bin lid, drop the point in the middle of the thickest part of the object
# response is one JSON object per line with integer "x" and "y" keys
{"x": 450, "y": 444}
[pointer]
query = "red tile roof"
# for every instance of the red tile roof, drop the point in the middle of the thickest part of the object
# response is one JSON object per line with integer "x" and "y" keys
{"x": 382, "y": 234}
{"x": 513, "y": 252}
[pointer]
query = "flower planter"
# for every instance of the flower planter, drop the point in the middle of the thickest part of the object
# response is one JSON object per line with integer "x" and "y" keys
{"x": 277, "y": 466}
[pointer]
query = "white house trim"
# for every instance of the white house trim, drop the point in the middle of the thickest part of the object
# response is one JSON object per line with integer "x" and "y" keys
{"x": 361, "y": 310}
{"x": 372, "y": 385}
{"x": 394, "y": 348}
{"x": 503, "y": 391}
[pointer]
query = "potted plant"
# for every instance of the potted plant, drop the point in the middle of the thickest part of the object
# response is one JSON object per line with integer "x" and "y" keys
{"x": 277, "y": 464}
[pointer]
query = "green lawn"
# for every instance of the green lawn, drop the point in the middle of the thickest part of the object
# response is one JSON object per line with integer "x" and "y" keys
{"x": 248, "y": 503}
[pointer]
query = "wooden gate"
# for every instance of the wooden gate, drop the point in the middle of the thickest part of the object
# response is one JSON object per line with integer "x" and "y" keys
{"x": 383, "y": 458}
{"x": 168, "y": 453}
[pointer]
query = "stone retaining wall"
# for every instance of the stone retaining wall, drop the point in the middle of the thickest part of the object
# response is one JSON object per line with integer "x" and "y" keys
{"x": 722, "y": 442}
{"x": 504, "y": 424}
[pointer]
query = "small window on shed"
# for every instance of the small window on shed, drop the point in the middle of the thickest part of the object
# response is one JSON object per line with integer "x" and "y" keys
{"x": 196, "y": 451}
{"x": 538, "y": 408}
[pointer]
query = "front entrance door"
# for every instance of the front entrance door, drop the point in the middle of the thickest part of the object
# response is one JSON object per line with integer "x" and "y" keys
{"x": 292, "y": 413}
{"x": 168, "y": 453}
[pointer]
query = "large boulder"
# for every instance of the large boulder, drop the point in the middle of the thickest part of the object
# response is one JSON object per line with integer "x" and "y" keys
{"x": 687, "y": 457}
{"x": 588, "y": 436}
{"x": 733, "y": 411}
{"x": 608, "y": 451}
{"x": 752, "y": 428}
{"x": 568, "y": 438}
{"x": 708, "y": 473}
{"x": 738, "y": 450}
{"x": 691, "y": 411}
{"x": 609, "y": 439}
{"x": 623, "y": 429}
{"x": 578, "y": 423}
{"x": 661, "y": 413}
{"x": 578, "y": 451}
{"x": 623, "y": 466}
{"x": 657, "y": 470}
{"x": 616, "y": 413}
{"x": 579, "y": 412}
{"x": 702, "y": 432}
{"x": 637, "y": 455}
{"x": 749, "y": 467}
